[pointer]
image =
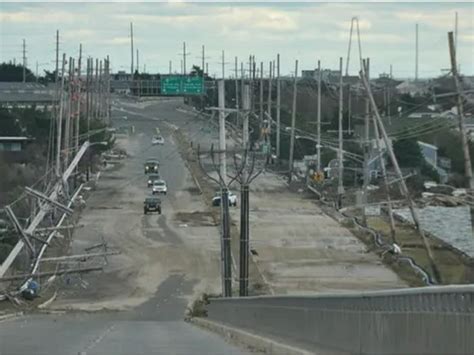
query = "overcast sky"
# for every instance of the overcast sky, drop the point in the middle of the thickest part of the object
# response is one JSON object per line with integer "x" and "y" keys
{"x": 303, "y": 31}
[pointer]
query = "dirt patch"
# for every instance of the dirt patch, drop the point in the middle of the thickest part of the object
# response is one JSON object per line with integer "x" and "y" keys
{"x": 196, "y": 218}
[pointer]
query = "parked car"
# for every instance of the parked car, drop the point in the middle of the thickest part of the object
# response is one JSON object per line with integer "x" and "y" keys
{"x": 152, "y": 178}
{"x": 159, "y": 187}
{"x": 157, "y": 140}
{"x": 152, "y": 204}
{"x": 216, "y": 200}
{"x": 151, "y": 166}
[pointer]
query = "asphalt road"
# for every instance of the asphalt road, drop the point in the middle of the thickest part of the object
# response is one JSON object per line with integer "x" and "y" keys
{"x": 137, "y": 305}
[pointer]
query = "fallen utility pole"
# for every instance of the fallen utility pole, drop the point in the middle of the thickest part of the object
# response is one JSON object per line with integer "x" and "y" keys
{"x": 460, "y": 106}
{"x": 43, "y": 210}
{"x": 42, "y": 196}
{"x": 79, "y": 256}
{"x": 403, "y": 186}
{"x": 51, "y": 273}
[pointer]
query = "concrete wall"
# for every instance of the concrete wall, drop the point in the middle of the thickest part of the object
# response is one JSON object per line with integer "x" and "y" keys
{"x": 434, "y": 320}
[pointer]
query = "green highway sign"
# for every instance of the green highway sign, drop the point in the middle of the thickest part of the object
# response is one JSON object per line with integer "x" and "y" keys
{"x": 171, "y": 85}
{"x": 181, "y": 85}
{"x": 192, "y": 85}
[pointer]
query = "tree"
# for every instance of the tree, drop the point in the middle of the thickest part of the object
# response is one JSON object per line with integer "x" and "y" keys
{"x": 408, "y": 152}
{"x": 14, "y": 72}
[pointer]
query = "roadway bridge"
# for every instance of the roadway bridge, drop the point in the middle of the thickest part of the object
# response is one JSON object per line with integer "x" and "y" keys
{"x": 429, "y": 320}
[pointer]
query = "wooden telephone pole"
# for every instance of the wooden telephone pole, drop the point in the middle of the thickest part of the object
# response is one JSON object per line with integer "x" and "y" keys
{"x": 460, "y": 106}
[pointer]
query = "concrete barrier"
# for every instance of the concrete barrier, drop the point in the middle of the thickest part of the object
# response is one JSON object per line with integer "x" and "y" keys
{"x": 429, "y": 320}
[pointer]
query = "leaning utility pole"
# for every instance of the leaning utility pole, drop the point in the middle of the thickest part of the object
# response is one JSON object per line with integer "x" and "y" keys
{"x": 278, "y": 108}
{"x": 60, "y": 119}
{"x": 366, "y": 145}
{"x": 293, "y": 122}
{"x": 403, "y": 186}
{"x": 131, "y": 48}
{"x": 460, "y": 106}
{"x": 318, "y": 147}
{"x": 24, "y": 61}
{"x": 340, "y": 186}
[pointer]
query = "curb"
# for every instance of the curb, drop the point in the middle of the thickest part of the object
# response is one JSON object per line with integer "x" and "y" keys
{"x": 255, "y": 342}
{"x": 9, "y": 316}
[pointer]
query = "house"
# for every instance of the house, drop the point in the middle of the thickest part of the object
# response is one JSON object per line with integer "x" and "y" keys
{"x": 414, "y": 88}
{"x": 26, "y": 95}
{"x": 430, "y": 153}
{"x": 12, "y": 148}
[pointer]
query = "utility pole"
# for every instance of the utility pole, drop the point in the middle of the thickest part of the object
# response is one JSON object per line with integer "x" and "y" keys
{"x": 268, "y": 128}
{"x": 318, "y": 147}
{"x": 222, "y": 137}
{"x": 223, "y": 65}
{"x": 79, "y": 95}
{"x": 67, "y": 129}
{"x": 184, "y": 58}
{"x": 278, "y": 108}
{"x": 90, "y": 70}
{"x": 170, "y": 67}
{"x": 226, "y": 252}
{"x": 60, "y": 120}
{"x": 403, "y": 186}
{"x": 460, "y": 106}
{"x": 24, "y": 61}
{"x": 131, "y": 45}
{"x": 366, "y": 63}
{"x": 236, "y": 84}
{"x": 416, "y": 52}
{"x": 293, "y": 122}
{"x": 100, "y": 105}
{"x": 138, "y": 61}
{"x": 107, "y": 87}
{"x": 203, "y": 57}
{"x": 260, "y": 116}
{"x": 386, "y": 185}
{"x": 244, "y": 197}
{"x": 340, "y": 186}
{"x": 96, "y": 90}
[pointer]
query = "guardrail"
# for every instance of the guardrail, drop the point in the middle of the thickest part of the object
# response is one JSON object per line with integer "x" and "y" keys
{"x": 428, "y": 320}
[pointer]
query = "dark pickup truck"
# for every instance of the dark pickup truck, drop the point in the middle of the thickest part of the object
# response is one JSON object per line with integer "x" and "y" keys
{"x": 152, "y": 204}
{"x": 151, "y": 166}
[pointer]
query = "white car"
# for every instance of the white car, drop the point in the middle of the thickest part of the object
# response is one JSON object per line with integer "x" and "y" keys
{"x": 157, "y": 140}
{"x": 159, "y": 187}
{"x": 216, "y": 200}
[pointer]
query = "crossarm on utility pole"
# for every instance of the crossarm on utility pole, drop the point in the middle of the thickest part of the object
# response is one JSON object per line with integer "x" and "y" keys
{"x": 19, "y": 229}
{"x": 42, "y": 196}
